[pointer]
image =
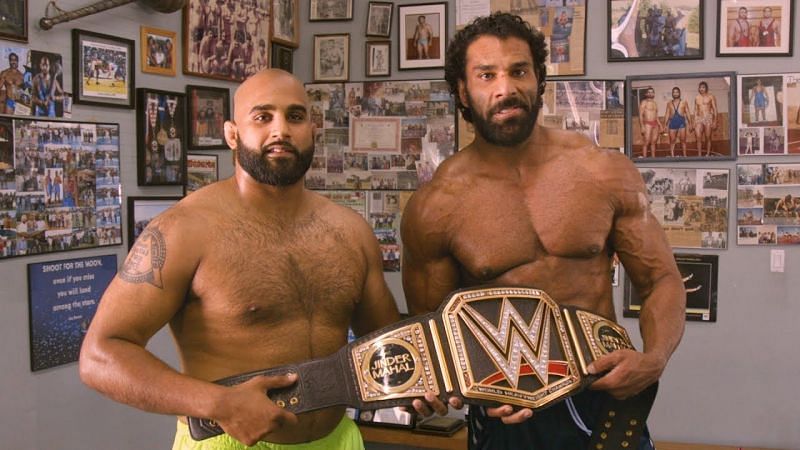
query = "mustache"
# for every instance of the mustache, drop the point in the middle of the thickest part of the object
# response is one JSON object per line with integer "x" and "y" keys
{"x": 512, "y": 102}
{"x": 287, "y": 146}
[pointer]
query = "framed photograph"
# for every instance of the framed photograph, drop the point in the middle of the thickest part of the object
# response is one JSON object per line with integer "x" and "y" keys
{"x": 379, "y": 19}
{"x": 681, "y": 116}
{"x": 161, "y": 137}
{"x": 690, "y": 204}
{"x": 62, "y": 299}
{"x": 769, "y": 114}
{"x": 282, "y": 57}
{"x": 699, "y": 274}
{"x": 158, "y": 51}
{"x": 201, "y": 170}
{"x": 331, "y": 57}
{"x": 141, "y": 210}
{"x": 286, "y": 23}
{"x": 378, "y": 58}
{"x": 768, "y": 204}
{"x": 14, "y": 26}
{"x": 319, "y": 10}
{"x": 755, "y": 27}
{"x": 103, "y": 69}
{"x": 212, "y": 51}
{"x": 208, "y": 109}
{"x": 642, "y": 31}
{"x": 423, "y": 35}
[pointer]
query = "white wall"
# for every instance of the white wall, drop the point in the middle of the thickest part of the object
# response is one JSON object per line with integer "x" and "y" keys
{"x": 731, "y": 382}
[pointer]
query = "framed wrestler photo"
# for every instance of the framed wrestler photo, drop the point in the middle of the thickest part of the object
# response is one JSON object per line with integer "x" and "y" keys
{"x": 14, "y": 23}
{"x": 379, "y": 61}
{"x": 755, "y": 27}
{"x": 681, "y": 117}
{"x": 141, "y": 210}
{"x": 329, "y": 10}
{"x": 160, "y": 137}
{"x": 208, "y": 108}
{"x": 231, "y": 51}
{"x": 699, "y": 274}
{"x": 645, "y": 31}
{"x": 423, "y": 35}
{"x": 331, "y": 57}
{"x": 103, "y": 69}
{"x": 286, "y": 23}
{"x": 379, "y": 19}
{"x": 158, "y": 50}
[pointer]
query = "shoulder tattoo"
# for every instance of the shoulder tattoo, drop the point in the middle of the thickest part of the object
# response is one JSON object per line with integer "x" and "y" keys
{"x": 146, "y": 259}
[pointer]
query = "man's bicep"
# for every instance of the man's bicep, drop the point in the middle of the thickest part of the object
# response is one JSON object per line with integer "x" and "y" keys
{"x": 643, "y": 249}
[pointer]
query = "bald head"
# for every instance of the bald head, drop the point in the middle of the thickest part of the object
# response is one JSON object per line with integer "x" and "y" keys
{"x": 266, "y": 87}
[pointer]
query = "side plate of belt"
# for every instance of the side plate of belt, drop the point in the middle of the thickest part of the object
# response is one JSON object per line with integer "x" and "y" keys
{"x": 489, "y": 346}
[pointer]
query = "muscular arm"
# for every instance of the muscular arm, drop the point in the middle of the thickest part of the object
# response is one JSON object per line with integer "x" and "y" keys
{"x": 429, "y": 271}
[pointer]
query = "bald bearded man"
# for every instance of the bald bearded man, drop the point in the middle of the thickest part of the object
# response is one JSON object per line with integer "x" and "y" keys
{"x": 272, "y": 274}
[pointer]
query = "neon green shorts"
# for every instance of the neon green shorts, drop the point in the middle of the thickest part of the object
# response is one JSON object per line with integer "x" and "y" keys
{"x": 344, "y": 437}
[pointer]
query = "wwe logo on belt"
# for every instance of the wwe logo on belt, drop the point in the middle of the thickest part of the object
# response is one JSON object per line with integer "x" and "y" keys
{"x": 514, "y": 340}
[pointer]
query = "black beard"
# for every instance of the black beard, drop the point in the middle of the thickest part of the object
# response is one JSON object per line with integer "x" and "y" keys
{"x": 513, "y": 131}
{"x": 282, "y": 172}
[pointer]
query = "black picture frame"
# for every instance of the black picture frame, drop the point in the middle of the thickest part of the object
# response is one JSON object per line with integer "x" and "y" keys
{"x": 282, "y": 57}
{"x": 206, "y": 133}
{"x": 700, "y": 274}
{"x": 202, "y": 169}
{"x": 14, "y": 26}
{"x": 111, "y": 60}
{"x": 675, "y": 34}
{"x": 379, "y": 19}
{"x": 141, "y": 210}
{"x": 762, "y": 36}
{"x": 161, "y": 137}
{"x": 721, "y": 127}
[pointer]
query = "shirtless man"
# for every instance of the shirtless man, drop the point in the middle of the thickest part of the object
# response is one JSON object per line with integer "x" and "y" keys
{"x": 769, "y": 30}
{"x": 46, "y": 90}
{"x": 705, "y": 117}
{"x": 11, "y": 81}
{"x": 282, "y": 284}
{"x": 648, "y": 123}
{"x": 423, "y": 38}
{"x": 759, "y": 99}
{"x": 677, "y": 118}
{"x": 502, "y": 211}
{"x": 739, "y": 30}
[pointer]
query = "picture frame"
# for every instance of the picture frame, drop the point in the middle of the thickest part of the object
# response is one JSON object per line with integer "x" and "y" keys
{"x": 769, "y": 114}
{"x": 767, "y": 204}
{"x": 755, "y": 27}
{"x": 14, "y": 26}
{"x": 201, "y": 170}
{"x": 282, "y": 57}
{"x": 674, "y": 34}
{"x": 286, "y": 23}
{"x": 158, "y": 51}
{"x": 161, "y": 137}
{"x": 330, "y": 10}
{"x": 691, "y": 204}
{"x": 700, "y": 274}
{"x": 379, "y": 19}
{"x": 199, "y": 58}
{"x": 378, "y": 58}
{"x": 141, "y": 210}
{"x": 208, "y": 108}
{"x": 331, "y": 57}
{"x": 103, "y": 69}
{"x": 414, "y": 22}
{"x": 707, "y": 135}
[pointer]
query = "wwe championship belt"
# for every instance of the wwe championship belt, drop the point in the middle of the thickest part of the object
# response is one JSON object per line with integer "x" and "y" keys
{"x": 489, "y": 346}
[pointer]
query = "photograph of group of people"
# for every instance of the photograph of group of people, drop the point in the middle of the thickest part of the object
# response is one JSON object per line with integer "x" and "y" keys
{"x": 749, "y": 27}
{"x": 690, "y": 204}
{"x": 376, "y": 135}
{"x": 768, "y": 204}
{"x": 52, "y": 177}
{"x": 32, "y": 84}
{"x": 681, "y": 116}
{"x": 769, "y": 114}
{"x": 670, "y": 29}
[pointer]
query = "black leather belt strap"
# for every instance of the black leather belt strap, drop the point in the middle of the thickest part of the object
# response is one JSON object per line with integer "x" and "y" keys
{"x": 489, "y": 346}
